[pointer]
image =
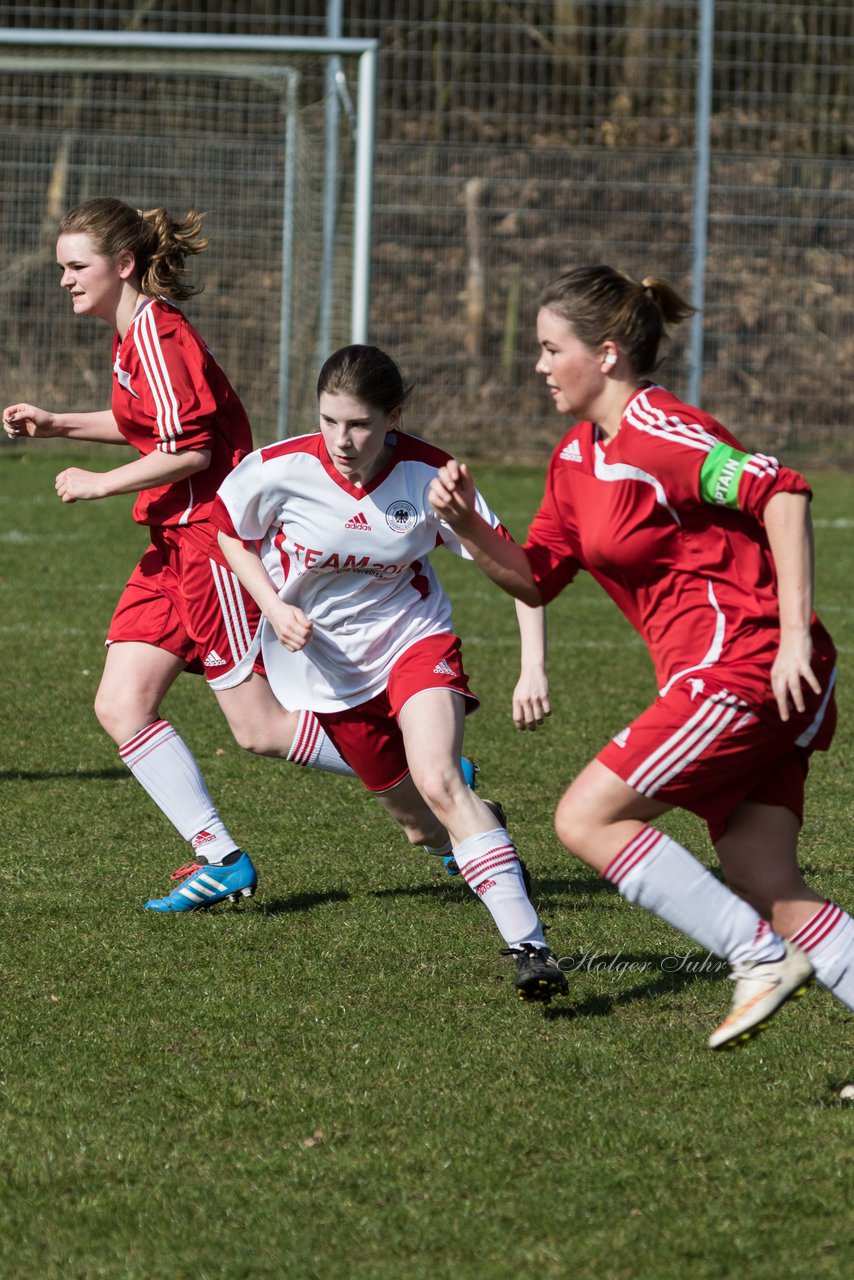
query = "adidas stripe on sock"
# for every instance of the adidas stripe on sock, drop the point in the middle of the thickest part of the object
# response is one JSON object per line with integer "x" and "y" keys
{"x": 164, "y": 766}
{"x": 314, "y": 748}
{"x": 491, "y": 868}
{"x": 828, "y": 939}
{"x": 660, "y": 875}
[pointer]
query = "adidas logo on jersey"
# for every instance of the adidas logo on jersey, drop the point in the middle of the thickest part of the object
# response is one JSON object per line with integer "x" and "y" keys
{"x": 214, "y": 660}
{"x": 443, "y": 668}
{"x": 571, "y": 452}
{"x": 358, "y": 522}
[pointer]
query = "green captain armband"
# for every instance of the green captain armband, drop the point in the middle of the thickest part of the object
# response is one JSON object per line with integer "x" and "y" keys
{"x": 720, "y": 475}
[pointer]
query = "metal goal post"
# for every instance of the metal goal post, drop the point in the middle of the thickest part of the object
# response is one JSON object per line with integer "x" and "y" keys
{"x": 234, "y": 125}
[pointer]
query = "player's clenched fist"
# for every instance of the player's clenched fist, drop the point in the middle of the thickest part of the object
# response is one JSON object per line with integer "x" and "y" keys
{"x": 452, "y": 493}
{"x": 75, "y": 485}
{"x": 292, "y": 627}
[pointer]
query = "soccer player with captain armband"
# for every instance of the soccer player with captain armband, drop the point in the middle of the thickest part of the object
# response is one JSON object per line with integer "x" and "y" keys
{"x": 706, "y": 549}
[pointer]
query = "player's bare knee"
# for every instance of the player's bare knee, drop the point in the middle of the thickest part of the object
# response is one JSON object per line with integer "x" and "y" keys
{"x": 113, "y": 719}
{"x": 438, "y": 787}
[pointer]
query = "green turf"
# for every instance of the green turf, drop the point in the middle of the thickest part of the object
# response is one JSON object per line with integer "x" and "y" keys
{"x": 334, "y": 1080}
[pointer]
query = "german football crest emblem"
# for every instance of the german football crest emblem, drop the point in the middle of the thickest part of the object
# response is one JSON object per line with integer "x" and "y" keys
{"x": 401, "y": 516}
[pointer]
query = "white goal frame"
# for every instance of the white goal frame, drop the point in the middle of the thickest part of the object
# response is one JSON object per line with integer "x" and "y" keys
{"x": 364, "y": 141}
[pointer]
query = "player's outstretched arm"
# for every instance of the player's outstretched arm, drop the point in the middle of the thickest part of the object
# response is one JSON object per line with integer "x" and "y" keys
{"x": 24, "y": 419}
{"x": 149, "y": 472}
{"x": 789, "y": 528}
{"x": 293, "y": 629}
{"x": 452, "y": 497}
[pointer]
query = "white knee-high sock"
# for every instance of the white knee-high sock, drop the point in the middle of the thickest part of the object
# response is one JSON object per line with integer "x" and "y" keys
{"x": 657, "y": 873}
{"x": 828, "y": 939}
{"x": 489, "y": 863}
{"x": 164, "y": 766}
{"x": 314, "y": 748}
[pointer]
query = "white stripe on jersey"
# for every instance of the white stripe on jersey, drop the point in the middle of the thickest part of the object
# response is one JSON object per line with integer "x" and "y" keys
{"x": 714, "y": 650}
{"x": 762, "y": 464}
{"x": 185, "y": 514}
{"x": 687, "y": 743}
{"x": 613, "y": 471}
{"x": 157, "y": 376}
{"x": 233, "y": 610}
{"x": 645, "y": 417}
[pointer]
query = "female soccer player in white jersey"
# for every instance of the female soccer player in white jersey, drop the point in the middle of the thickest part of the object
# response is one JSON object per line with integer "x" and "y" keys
{"x": 707, "y": 550}
{"x": 182, "y": 608}
{"x": 358, "y": 628}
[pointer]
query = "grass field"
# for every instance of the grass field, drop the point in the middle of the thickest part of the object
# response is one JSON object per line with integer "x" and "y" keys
{"x": 334, "y": 1080}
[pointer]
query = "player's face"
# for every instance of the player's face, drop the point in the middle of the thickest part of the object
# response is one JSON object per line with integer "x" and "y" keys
{"x": 355, "y": 436}
{"x": 573, "y": 373}
{"x": 94, "y": 282}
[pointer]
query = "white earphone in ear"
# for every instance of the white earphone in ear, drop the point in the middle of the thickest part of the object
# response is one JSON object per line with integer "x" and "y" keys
{"x": 610, "y": 359}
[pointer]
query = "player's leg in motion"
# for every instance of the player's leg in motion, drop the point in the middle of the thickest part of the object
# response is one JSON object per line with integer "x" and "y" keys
{"x": 136, "y": 678}
{"x": 431, "y": 723}
{"x": 759, "y": 858}
{"x": 260, "y": 724}
{"x": 605, "y": 823}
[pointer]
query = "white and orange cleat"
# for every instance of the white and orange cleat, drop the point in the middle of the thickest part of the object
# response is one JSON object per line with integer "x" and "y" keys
{"x": 760, "y": 990}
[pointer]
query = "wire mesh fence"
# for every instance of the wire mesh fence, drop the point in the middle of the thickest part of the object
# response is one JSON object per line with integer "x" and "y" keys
{"x": 513, "y": 141}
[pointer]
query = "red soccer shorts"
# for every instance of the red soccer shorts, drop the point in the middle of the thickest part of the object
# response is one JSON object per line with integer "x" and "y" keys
{"x": 701, "y": 748}
{"x": 183, "y": 598}
{"x": 368, "y": 736}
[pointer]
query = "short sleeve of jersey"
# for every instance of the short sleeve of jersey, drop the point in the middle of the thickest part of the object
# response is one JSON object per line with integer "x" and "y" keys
{"x": 171, "y": 381}
{"x": 696, "y": 460}
{"x": 549, "y": 545}
{"x": 731, "y": 477}
{"x": 247, "y": 501}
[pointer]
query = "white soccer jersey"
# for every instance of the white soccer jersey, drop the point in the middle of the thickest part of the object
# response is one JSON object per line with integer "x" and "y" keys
{"x": 353, "y": 558}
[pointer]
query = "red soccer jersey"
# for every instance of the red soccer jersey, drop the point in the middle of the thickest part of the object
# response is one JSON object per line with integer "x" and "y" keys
{"x": 170, "y": 394}
{"x": 667, "y": 517}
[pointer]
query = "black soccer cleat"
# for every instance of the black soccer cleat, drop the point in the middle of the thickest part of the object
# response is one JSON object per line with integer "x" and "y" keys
{"x": 538, "y": 974}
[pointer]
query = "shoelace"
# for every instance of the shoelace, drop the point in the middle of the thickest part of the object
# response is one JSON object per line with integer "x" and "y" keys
{"x": 183, "y": 872}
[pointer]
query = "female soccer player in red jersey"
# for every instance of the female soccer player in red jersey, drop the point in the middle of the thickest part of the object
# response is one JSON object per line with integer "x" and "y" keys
{"x": 358, "y": 628}
{"x": 182, "y": 608}
{"x": 707, "y": 550}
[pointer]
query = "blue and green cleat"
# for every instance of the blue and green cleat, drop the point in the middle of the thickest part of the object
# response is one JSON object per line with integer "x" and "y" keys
{"x": 203, "y": 886}
{"x": 470, "y": 772}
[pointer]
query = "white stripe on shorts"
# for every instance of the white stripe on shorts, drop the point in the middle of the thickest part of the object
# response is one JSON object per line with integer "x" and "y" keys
{"x": 688, "y": 742}
{"x": 233, "y": 611}
{"x": 812, "y": 729}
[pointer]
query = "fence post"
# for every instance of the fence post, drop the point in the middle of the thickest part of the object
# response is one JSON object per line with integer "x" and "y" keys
{"x": 286, "y": 295}
{"x": 330, "y": 185}
{"x": 706, "y": 36}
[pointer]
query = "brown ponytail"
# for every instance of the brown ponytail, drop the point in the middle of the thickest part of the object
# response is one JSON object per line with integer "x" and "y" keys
{"x": 160, "y": 244}
{"x": 600, "y": 303}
